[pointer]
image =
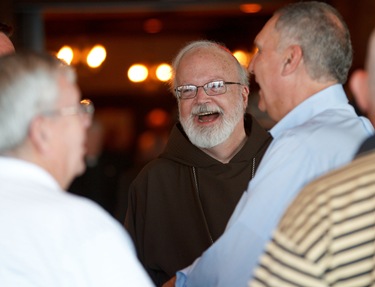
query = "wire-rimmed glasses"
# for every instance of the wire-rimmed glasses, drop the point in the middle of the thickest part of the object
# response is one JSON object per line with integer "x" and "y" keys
{"x": 213, "y": 88}
{"x": 85, "y": 108}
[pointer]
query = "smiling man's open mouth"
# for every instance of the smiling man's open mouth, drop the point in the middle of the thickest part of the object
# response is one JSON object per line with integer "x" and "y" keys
{"x": 208, "y": 116}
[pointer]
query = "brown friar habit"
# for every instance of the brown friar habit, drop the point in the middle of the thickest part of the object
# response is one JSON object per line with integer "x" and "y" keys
{"x": 181, "y": 202}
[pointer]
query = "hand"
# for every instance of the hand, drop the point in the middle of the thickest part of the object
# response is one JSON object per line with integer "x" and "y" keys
{"x": 170, "y": 283}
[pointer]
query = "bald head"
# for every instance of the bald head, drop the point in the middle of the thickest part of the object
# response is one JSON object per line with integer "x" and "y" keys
{"x": 6, "y": 45}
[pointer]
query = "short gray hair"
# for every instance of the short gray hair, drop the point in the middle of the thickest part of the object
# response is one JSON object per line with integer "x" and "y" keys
{"x": 321, "y": 32}
{"x": 206, "y": 44}
{"x": 28, "y": 87}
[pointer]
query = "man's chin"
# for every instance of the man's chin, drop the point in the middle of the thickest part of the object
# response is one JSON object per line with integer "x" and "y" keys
{"x": 205, "y": 142}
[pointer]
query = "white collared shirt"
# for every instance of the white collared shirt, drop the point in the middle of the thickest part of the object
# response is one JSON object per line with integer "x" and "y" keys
{"x": 52, "y": 238}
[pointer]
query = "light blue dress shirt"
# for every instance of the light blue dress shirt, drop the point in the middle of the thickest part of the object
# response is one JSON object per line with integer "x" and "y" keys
{"x": 320, "y": 134}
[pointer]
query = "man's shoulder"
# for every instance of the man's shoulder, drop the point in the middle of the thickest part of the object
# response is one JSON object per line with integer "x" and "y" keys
{"x": 353, "y": 172}
{"x": 160, "y": 164}
{"x": 334, "y": 185}
{"x": 325, "y": 132}
{"x": 156, "y": 170}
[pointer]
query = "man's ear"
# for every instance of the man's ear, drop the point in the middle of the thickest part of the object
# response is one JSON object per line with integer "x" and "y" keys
{"x": 39, "y": 134}
{"x": 245, "y": 94}
{"x": 358, "y": 84}
{"x": 292, "y": 59}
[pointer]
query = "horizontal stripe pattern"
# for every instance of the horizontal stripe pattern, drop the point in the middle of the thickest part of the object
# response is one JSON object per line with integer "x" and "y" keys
{"x": 327, "y": 235}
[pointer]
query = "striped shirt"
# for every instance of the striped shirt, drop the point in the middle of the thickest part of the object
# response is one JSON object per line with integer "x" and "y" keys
{"x": 327, "y": 235}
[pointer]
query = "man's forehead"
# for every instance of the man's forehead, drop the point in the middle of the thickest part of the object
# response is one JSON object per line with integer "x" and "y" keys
{"x": 267, "y": 33}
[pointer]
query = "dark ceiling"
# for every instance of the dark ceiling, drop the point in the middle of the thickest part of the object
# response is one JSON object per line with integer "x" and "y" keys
{"x": 120, "y": 26}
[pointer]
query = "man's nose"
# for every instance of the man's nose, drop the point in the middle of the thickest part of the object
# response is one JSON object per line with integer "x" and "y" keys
{"x": 250, "y": 68}
{"x": 201, "y": 95}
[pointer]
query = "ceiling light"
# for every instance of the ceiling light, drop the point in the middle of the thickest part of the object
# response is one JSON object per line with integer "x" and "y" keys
{"x": 66, "y": 54}
{"x": 164, "y": 72}
{"x": 137, "y": 73}
{"x": 251, "y": 8}
{"x": 96, "y": 56}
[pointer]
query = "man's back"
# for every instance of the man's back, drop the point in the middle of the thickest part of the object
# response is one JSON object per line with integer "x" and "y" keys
{"x": 51, "y": 238}
{"x": 311, "y": 140}
{"x": 326, "y": 236}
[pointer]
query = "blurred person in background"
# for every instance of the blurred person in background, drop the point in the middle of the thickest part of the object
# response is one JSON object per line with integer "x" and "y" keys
{"x": 50, "y": 237}
{"x": 6, "y": 45}
{"x": 99, "y": 181}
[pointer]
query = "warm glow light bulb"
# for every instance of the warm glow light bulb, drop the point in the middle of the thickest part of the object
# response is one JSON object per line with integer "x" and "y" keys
{"x": 66, "y": 54}
{"x": 241, "y": 57}
{"x": 137, "y": 73}
{"x": 250, "y": 8}
{"x": 164, "y": 72}
{"x": 157, "y": 118}
{"x": 96, "y": 56}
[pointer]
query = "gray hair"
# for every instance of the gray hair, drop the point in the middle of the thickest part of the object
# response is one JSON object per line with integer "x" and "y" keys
{"x": 322, "y": 34}
{"x": 206, "y": 44}
{"x": 28, "y": 87}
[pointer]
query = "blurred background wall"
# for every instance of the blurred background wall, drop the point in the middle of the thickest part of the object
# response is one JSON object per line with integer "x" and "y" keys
{"x": 133, "y": 119}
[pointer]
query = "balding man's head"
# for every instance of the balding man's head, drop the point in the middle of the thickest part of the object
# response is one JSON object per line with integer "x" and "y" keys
{"x": 6, "y": 45}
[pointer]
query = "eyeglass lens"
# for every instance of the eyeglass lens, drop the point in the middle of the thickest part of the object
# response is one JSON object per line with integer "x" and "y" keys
{"x": 211, "y": 89}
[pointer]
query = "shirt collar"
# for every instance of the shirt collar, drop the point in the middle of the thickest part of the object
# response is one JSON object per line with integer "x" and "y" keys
{"x": 20, "y": 170}
{"x": 326, "y": 99}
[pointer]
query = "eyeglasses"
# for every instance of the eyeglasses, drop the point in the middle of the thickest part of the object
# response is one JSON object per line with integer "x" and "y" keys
{"x": 212, "y": 89}
{"x": 85, "y": 108}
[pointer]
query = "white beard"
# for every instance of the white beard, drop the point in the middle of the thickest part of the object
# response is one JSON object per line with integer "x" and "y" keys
{"x": 208, "y": 137}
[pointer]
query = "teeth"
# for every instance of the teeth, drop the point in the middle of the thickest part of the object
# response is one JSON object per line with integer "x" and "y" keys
{"x": 206, "y": 114}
